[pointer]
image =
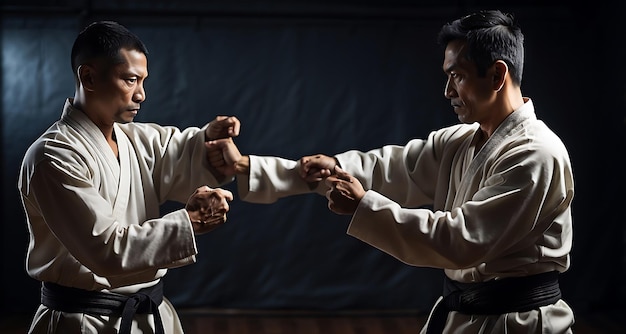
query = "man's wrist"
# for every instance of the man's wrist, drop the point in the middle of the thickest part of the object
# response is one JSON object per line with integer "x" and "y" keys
{"x": 242, "y": 166}
{"x": 337, "y": 164}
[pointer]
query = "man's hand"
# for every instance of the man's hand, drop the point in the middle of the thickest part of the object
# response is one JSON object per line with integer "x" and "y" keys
{"x": 345, "y": 192}
{"x": 224, "y": 156}
{"x": 222, "y": 127}
{"x": 317, "y": 167}
{"x": 207, "y": 208}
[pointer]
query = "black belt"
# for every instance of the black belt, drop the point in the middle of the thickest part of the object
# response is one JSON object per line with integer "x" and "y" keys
{"x": 514, "y": 294}
{"x": 74, "y": 300}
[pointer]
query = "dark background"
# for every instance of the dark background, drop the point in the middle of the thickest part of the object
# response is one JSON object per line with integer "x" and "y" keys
{"x": 310, "y": 77}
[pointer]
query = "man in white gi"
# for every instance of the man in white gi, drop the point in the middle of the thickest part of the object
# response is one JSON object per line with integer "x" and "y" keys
{"x": 91, "y": 188}
{"x": 500, "y": 186}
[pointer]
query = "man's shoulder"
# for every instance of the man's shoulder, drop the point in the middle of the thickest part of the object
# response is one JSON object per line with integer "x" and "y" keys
{"x": 537, "y": 142}
{"x": 141, "y": 128}
{"x": 59, "y": 140}
{"x": 138, "y": 132}
{"x": 456, "y": 131}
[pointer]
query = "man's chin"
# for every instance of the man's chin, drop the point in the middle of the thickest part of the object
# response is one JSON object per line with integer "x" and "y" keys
{"x": 463, "y": 119}
{"x": 124, "y": 120}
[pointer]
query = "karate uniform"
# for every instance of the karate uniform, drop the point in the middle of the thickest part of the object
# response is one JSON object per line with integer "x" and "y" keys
{"x": 502, "y": 211}
{"x": 94, "y": 221}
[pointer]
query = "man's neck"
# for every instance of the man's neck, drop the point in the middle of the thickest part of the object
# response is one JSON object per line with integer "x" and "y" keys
{"x": 105, "y": 128}
{"x": 507, "y": 103}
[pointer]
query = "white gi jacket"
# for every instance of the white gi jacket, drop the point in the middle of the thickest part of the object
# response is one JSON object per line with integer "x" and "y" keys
{"x": 94, "y": 222}
{"x": 501, "y": 212}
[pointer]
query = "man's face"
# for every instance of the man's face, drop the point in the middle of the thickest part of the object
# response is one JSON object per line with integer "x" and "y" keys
{"x": 119, "y": 90}
{"x": 471, "y": 96}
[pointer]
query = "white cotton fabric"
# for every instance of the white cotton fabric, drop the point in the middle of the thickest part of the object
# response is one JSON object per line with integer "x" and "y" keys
{"x": 503, "y": 211}
{"x": 94, "y": 221}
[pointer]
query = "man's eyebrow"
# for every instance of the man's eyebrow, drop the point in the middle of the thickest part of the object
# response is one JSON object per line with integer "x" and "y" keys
{"x": 130, "y": 73}
{"x": 449, "y": 67}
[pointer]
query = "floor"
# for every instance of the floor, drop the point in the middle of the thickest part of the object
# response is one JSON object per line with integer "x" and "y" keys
{"x": 237, "y": 322}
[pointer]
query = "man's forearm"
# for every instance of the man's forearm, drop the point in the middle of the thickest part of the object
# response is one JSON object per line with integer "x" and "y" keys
{"x": 242, "y": 166}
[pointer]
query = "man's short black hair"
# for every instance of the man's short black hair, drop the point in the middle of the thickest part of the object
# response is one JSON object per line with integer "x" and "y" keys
{"x": 103, "y": 40}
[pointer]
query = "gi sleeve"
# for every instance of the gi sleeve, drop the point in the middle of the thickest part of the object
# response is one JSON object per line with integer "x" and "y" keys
{"x": 61, "y": 195}
{"x": 272, "y": 178}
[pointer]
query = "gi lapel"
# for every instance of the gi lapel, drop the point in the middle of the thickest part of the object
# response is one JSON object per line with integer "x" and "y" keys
{"x": 508, "y": 126}
{"x": 79, "y": 121}
{"x": 123, "y": 188}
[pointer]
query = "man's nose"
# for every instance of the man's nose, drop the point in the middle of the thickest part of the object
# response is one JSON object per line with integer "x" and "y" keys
{"x": 448, "y": 91}
{"x": 140, "y": 94}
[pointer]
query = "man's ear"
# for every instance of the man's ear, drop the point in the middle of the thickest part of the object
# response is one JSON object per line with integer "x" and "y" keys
{"x": 87, "y": 77}
{"x": 501, "y": 70}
